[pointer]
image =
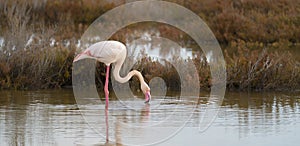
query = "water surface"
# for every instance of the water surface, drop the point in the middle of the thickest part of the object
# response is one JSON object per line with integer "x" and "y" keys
{"x": 52, "y": 118}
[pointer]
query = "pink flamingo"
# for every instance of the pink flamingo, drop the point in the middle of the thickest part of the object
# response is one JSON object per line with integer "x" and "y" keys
{"x": 110, "y": 52}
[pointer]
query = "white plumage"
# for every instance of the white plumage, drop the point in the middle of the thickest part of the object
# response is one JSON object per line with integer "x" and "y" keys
{"x": 115, "y": 52}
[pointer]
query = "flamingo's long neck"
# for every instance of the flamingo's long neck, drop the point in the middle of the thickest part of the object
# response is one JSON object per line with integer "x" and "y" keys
{"x": 120, "y": 79}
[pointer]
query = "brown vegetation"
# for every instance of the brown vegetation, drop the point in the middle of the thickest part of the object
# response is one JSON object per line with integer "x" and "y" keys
{"x": 245, "y": 27}
{"x": 262, "y": 70}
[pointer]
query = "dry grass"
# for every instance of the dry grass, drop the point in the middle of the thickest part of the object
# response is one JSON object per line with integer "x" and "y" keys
{"x": 26, "y": 58}
{"x": 247, "y": 26}
{"x": 261, "y": 70}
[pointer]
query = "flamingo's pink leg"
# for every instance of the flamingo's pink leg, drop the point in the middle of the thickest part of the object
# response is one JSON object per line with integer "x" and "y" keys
{"x": 106, "y": 87}
{"x": 106, "y": 121}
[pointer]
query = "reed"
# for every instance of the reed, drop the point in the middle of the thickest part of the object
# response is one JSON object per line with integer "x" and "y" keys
{"x": 41, "y": 40}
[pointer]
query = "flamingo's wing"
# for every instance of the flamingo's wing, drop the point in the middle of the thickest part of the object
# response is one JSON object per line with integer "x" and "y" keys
{"x": 106, "y": 51}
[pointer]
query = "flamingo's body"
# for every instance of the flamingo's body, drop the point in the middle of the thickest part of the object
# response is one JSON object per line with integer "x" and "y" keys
{"x": 110, "y": 52}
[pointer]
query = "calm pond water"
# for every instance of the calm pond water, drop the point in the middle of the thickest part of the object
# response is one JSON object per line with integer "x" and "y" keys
{"x": 53, "y": 118}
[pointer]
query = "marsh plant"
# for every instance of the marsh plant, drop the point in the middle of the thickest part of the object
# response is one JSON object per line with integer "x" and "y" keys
{"x": 39, "y": 39}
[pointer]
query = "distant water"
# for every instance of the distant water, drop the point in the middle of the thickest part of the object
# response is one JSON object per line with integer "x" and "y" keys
{"x": 1, "y": 42}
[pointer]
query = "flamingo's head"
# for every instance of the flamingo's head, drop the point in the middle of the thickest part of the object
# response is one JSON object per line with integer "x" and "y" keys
{"x": 146, "y": 90}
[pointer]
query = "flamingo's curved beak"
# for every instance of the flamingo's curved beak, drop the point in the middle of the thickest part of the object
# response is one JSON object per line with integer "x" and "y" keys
{"x": 147, "y": 96}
